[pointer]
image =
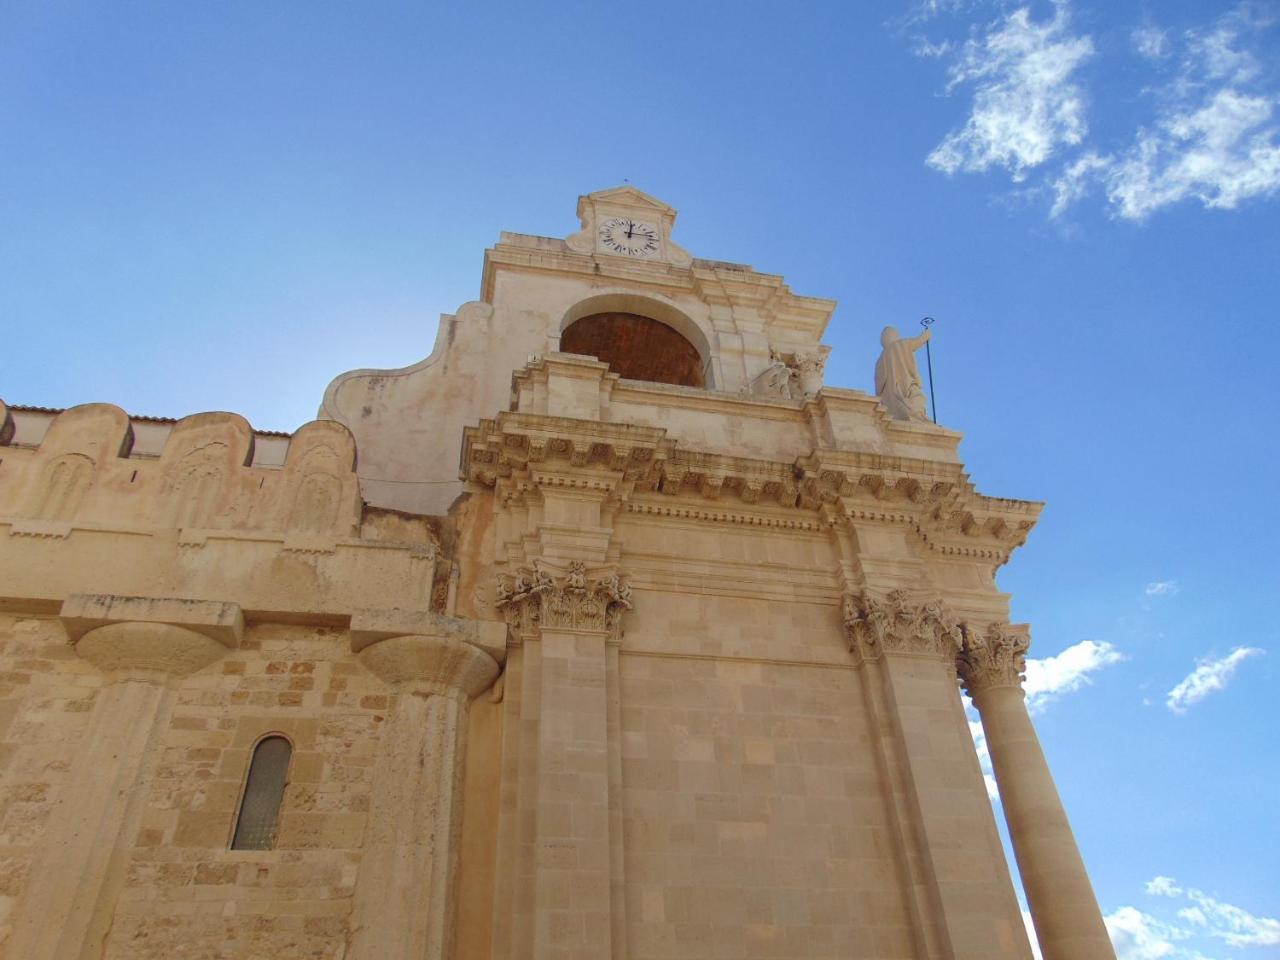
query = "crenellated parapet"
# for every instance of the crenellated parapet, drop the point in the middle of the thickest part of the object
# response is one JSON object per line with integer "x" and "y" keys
{"x": 98, "y": 502}
{"x": 84, "y": 471}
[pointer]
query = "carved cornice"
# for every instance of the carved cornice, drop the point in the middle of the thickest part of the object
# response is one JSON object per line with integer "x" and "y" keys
{"x": 996, "y": 657}
{"x": 934, "y": 499}
{"x": 896, "y": 623}
{"x": 648, "y": 508}
{"x": 515, "y": 442}
{"x": 538, "y": 597}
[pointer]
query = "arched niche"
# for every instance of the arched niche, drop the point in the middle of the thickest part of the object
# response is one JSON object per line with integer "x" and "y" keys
{"x": 639, "y": 338}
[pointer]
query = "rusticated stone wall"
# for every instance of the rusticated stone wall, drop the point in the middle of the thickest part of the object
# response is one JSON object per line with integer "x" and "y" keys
{"x": 185, "y": 893}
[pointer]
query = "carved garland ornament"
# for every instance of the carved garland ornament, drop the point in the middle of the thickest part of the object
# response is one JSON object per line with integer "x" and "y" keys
{"x": 996, "y": 658}
{"x": 897, "y": 624}
{"x": 533, "y": 597}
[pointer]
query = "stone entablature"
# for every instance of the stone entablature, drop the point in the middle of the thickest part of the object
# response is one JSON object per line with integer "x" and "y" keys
{"x": 931, "y": 497}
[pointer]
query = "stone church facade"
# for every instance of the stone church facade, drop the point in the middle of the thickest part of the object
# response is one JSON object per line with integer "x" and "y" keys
{"x": 606, "y": 631}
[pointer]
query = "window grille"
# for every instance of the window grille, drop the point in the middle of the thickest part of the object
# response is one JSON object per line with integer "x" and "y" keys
{"x": 263, "y": 793}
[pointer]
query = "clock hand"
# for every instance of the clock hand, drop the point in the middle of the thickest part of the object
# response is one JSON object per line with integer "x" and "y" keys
{"x": 630, "y": 226}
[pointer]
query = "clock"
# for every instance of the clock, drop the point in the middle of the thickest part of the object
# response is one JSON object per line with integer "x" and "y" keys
{"x": 628, "y": 237}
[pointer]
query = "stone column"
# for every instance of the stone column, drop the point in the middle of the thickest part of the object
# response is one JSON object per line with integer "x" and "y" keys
{"x": 1068, "y": 921}
{"x": 405, "y": 898}
{"x": 77, "y": 875}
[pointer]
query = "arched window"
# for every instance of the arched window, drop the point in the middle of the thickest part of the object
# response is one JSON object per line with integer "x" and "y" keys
{"x": 636, "y": 347}
{"x": 263, "y": 792}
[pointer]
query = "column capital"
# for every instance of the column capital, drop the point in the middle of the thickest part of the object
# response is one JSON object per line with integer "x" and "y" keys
{"x": 992, "y": 658}
{"x": 150, "y": 637}
{"x": 430, "y": 664}
{"x": 895, "y": 623}
{"x": 542, "y": 596}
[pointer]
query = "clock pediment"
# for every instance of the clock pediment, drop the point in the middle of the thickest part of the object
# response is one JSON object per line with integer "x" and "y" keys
{"x": 627, "y": 196}
{"x": 614, "y": 219}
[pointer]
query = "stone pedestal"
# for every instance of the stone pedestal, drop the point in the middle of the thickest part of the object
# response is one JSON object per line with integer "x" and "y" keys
{"x": 405, "y": 891}
{"x": 69, "y": 901}
{"x": 1059, "y": 895}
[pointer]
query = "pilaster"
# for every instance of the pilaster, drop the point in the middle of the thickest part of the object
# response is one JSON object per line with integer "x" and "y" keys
{"x": 572, "y": 814}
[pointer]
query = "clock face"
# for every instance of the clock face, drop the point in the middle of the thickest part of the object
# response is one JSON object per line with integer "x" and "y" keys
{"x": 632, "y": 238}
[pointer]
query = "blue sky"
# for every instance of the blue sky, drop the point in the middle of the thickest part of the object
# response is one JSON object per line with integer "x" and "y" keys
{"x": 223, "y": 206}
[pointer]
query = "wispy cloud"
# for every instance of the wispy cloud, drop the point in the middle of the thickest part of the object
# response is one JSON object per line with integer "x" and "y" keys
{"x": 1161, "y": 588}
{"x": 1209, "y": 131}
{"x": 1026, "y": 104}
{"x": 1151, "y": 42}
{"x": 1140, "y": 936}
{"x": 1047, "y": 679}
{"x": 1214, "y": 137}
{"x": 1205, "y": 917}
{"x": 1220, "y": 152}
{"x": 1067, "y": 671}
{"x": 1208, "y": 677}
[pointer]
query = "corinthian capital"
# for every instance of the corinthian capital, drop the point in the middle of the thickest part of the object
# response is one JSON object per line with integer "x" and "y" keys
{"x": 540, "y": 597}
{"x": 898, "y": 624}
{"x": 996, "y": 657}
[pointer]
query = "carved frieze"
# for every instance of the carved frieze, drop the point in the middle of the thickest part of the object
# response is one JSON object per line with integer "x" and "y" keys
{"x": 896, "y": 623}
{"x": 537, "y": 597}
{"x": 995, "y": 657}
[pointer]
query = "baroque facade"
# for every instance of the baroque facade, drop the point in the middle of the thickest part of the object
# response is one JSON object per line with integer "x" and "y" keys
{"x": 606, "y": 631}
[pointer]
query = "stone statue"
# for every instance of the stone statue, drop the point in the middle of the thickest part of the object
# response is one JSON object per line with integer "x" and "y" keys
{"x": 897, "y": 379}
{"x": 774, "y": 380}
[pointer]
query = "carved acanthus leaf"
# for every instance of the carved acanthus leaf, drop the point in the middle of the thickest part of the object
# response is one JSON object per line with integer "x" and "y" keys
{"x": 897, "y": 624}
{"x": 996, "y": 657}
{"x": 535, "y": 597}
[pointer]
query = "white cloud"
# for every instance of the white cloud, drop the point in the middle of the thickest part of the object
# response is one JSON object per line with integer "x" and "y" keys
{"x": 984, "y": 754}
{"x": 1222, "y": 152}
{"x": 1066, "y": 672}
{"x": 1046, "y": 679}
{"x": 1140, "y": 936}
{"x": 1214, "y": 138}
{"x": 1234, "y": 925}
{"x": 1161, "y": 588}
{"x": 1208, "y": 677}
{"x": 1152, "y": 43}
{"x": 1076, "y": 180}
{"x": 1025, "y": 103}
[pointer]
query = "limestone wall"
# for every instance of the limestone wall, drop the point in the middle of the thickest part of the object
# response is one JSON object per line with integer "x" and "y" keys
{"x": 185, "y": 892}
{"x": 132, "y": 690}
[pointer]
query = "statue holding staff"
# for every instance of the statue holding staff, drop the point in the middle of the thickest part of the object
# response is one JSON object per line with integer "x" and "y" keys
{"x": 897, "y": 379}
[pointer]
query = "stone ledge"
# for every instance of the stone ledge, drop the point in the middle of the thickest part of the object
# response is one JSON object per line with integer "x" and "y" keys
{"x": 368, "y": 626}
{"x": 82, "y": 612}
